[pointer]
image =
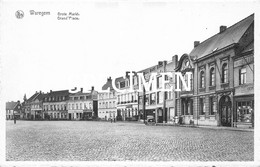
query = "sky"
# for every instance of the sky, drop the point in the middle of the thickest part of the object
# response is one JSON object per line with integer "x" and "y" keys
{"x": 42, "y": 53}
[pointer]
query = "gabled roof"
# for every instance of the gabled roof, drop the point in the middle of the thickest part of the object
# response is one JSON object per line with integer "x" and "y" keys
{"x": 230, "y": 36}
{"x": 41, "y": 96}
{"x": 32, "y": 97}
{"x": 11, "y": 105}
{"x": 37, "y": 95}
{"x": 249, "y": 47}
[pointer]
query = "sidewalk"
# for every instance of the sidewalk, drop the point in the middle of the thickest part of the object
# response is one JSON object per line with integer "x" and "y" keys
{"x": 207, "y": 127}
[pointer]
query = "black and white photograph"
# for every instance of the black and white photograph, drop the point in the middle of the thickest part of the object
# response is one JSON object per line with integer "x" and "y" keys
{"x": 129, "y": 83}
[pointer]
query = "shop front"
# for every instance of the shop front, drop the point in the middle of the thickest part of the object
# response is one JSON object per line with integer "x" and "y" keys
{"x": 244, "y": 111}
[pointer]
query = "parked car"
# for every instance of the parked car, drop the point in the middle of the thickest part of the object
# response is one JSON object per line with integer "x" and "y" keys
{"x": 150, "y": 118}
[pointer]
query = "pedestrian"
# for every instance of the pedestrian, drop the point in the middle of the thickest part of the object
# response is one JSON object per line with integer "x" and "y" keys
{"x": 14, "y": 119}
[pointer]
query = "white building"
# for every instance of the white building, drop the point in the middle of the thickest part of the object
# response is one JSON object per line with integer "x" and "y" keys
{"x": 107, "y": 102}
{"x": 80, "y": 106}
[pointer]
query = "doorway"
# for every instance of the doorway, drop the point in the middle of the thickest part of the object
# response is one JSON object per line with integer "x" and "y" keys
{"x": 225, "y": 111}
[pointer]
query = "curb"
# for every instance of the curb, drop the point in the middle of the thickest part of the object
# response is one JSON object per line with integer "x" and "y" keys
{"x": 207, "y": 127}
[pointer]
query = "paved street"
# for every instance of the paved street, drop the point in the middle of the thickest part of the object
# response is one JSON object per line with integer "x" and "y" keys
{"x": 99, "y": 141}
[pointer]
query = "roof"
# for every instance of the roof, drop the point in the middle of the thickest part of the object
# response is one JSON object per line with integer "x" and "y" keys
{"x": 119, "y": 79}
{"x": 221, "y": 40}
{"x": 59, "y": 93}
{"x": 107, "y": 85}
{"x": 37, "y": 95}
{"x": 11, "y": 105}
{"x": 33, "y": 97}
{"x": 79, "y": 93}
{"x": 249, "y": 47}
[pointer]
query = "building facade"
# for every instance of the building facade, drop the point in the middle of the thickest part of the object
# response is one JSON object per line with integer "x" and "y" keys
{"x": 55, "y": 105}
{"x": 80, "y": 106}
{"x": 13, "y": 109}
{"x": 127, "y": 101}
{"x": 159, "y": 104}
{"x": 222, "y": 82}
{"x": 107, "y": 102}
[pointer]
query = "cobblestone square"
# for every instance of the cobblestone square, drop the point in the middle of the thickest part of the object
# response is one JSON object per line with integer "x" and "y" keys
{"x": 123, "y": 141}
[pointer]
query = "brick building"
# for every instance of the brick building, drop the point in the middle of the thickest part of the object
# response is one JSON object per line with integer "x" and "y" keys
{"x": 222, "y": 82}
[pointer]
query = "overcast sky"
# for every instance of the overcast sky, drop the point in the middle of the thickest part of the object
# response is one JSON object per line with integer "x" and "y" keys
{"x": 111, "y": 37}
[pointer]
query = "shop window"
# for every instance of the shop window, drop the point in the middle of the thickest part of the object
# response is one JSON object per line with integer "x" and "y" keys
{"x": 244, "y": 111}
{"x": 242, "y": 76}
{"x": 224, "y": 73}
{"x": 212, "y": 76}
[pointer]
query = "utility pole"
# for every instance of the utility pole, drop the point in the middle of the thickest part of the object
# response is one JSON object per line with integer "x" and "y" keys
{"x": 144, "y": 101}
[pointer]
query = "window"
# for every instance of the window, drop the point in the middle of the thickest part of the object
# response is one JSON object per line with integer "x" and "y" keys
{"x": 159, "y": 82}
{"x": 146, "y": 99}
{"x": 135, "y": 80}
{"x": 224, "y": 73}
{"x": 212, "y": 76}
{"x": 127, "y": 82}
{"x": 242, "y": 76}
{"x": 122, "y": 84}
{"x": 212, "y": 105}
{"x": 245, "y": 110}
{"x": 202, "y": 105}
{"x": 80, "y": 105}
{"x": 202, "y": 79}
{"x": 152, "y": 98}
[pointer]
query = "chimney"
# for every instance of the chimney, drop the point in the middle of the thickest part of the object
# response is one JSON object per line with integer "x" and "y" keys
{"x": 92, "y": 88}
{"x": 222, "y": 29}
{"x": 196, "y": 43}
{"x": 165, "y": 62}
{"x": 81, "y": 90}
{"x": 109, "y": 79}
{"x": 160, "y": 63}
{"x": 50, "y": 91}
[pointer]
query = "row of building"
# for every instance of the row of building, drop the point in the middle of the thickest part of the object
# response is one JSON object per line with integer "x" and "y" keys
{"x": 222, "y": 88}
{"x": 55, "y": 105}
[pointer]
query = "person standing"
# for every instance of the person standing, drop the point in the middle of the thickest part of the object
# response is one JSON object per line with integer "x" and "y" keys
{"x": 14, "y": 119}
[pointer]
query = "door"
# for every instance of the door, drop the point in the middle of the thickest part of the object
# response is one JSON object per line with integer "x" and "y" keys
{"x": 225, "y": 111}
{"x": 69, "y": 116}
